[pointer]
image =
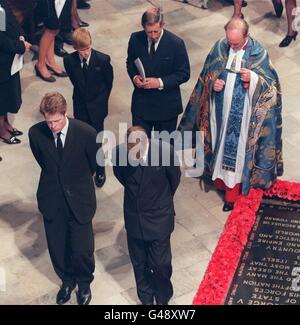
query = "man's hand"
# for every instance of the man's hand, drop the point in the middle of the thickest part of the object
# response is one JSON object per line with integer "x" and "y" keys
{"x": 219, "y": 85}
{"x": 138, "y": 81}
{"x": 151, "y": 83}
{"x": 245, "y": 75}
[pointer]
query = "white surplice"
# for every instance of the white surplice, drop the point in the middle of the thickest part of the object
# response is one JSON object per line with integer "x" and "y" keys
{"x": 232, "y": 178}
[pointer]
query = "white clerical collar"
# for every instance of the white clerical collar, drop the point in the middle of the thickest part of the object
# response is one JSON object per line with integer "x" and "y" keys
{"x": 237, "y": 56}
{"x": 243, "y": 48}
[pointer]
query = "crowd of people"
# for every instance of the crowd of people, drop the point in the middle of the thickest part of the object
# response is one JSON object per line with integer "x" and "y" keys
{"x": 236, "y": 103}
{"x": 28, "y": 23}
{"x": 290, "y": 7}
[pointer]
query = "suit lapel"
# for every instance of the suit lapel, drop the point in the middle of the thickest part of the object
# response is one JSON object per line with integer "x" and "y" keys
{"x": 160, "y": 51}
{"x": 146, "y": 172}
{"x": 69, "y": 142}
{"x": 90, "y": 66}
{"x": 78, "y": 69}
{"x": 145, "y": 44}
{"x": 50, "y": 145}
{"x": 133, "y": 171}
{"x": 161, "y": 45}
{"x": 151, "y": 64}
{"x": 146, "y": 60}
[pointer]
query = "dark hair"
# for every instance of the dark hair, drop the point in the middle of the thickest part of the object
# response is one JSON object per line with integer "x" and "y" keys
{"x": 152, "y": 16}
{"x": 136, "y": 135}
{"x": 53, "y": 103}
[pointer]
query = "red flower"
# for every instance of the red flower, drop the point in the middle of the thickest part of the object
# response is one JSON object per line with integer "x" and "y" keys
{"x": 221, "y": 268}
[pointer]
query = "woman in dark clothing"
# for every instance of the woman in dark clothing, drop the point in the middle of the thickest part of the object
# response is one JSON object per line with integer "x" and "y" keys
{"x": 24, "y": 13}
{"x": 45, "y": 13}
{"x": 290, "y": 6}
{"x": 12, "y": 42}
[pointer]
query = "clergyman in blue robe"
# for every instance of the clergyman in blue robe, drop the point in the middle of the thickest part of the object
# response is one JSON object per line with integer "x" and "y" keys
{"x": 237, "y": 104}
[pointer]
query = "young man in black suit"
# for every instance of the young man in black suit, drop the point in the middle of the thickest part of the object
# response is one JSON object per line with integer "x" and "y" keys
{"x": 156, "y": 101}
{"x": 91, "y": 74}
{"x": 150, "y": 179}
{"x": 66, "y": 150}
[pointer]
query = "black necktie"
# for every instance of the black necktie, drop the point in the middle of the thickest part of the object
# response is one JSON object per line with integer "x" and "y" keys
{"x": 59, "y": 145}
{"x": 152, "y": 50}
{"x": 84, "y": 67}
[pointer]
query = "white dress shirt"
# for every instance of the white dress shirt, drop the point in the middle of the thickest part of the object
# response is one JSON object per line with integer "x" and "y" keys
{"x": 156, "y": 43}
{"x": 87, "y": 60}
{"x": 63, "y": 133}
{"x": 161, "y": 84}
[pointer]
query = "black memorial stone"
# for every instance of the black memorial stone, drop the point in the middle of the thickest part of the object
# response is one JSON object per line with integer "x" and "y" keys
{"x": 268, "y": 271}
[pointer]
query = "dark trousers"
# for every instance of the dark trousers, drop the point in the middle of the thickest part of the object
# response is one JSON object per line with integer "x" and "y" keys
{"x": 151, "y": 261}
{"x": 168, "y": 125}
{"x": 99, "y": 127}
{"x": 71, "y": 248}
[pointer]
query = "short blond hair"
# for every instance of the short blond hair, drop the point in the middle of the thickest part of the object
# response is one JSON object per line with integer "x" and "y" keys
{"x": 53, "y": 103}
{"x": 81, "y": 39}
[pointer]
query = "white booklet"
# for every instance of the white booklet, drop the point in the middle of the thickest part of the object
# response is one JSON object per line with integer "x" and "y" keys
{"x": 59, "y": 5}
{"x": 139, "y": 65}
{"x": 17, "y": 64}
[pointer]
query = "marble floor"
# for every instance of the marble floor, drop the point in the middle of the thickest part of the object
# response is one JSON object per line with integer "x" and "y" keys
{"x": 24, "y": 260}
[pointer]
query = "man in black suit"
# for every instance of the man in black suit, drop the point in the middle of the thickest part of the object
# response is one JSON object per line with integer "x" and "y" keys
{"x": 150, "y": 179}
{"x": 91, "y": 74}
{"x": 66, "y": 150}
{"x": 156, "y": 100}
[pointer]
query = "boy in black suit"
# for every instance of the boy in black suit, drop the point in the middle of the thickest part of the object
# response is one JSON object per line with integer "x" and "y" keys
{"x": 66, "y": 150}
{"x": 91, "y": 74}
{"x": 149, "y": 190}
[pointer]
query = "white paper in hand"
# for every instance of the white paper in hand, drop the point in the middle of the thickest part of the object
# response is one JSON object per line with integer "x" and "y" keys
{"x": 17, "y": 64}
{"x": 59, "y": 5}
{"x": 139, "y": 65}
